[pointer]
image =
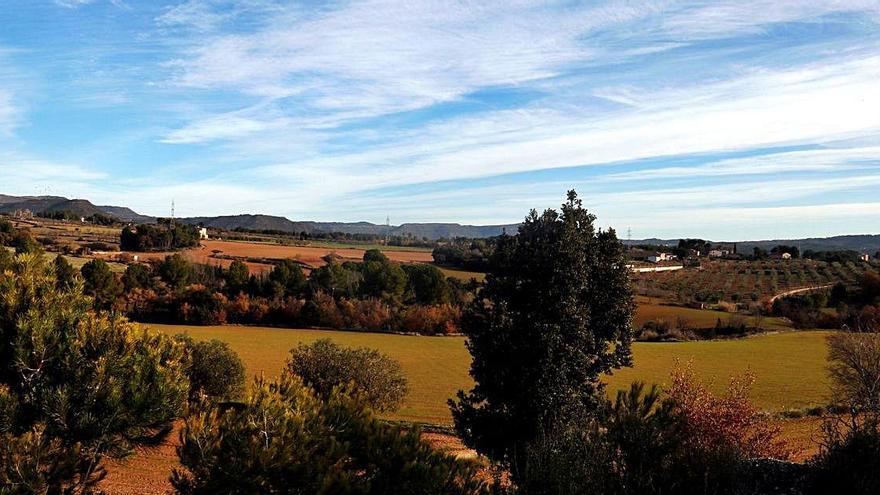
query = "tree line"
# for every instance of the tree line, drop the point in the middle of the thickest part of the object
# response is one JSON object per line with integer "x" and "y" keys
{"x": 376, "y": 294}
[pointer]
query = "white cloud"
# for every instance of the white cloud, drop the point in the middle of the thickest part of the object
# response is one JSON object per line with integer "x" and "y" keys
{"x": 220, "y": 127}
{"x": 72, "y": 4}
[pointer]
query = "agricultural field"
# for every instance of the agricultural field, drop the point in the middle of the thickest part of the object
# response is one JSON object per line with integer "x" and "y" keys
{"x": 789, "y": 367}
{"x": 72, "y": 235}
{"x": 650, "y": 309}
{"x": 745, "y": 281}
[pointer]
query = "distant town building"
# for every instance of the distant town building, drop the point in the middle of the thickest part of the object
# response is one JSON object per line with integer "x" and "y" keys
{"x": 203, "y": 233}
{"x": 865, "y": 257}
{"x": 781, "y": 256}
{"x": 719, "y": 253}
{"x": 659, "y": 257}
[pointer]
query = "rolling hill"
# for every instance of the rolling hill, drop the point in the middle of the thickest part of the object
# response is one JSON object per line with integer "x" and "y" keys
{"x": 869, "y": 243}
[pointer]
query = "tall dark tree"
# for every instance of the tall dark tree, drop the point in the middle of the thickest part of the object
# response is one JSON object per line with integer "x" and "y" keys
{"x": 237, "y": 277}
{"x": 554, "y": 316}
{"x": 287, "y": 278}
{"x": 426, "y": 284}
{"x": 65, "y": 273}
{"x": 176, "y": 271}
{"x": 137, "y": 276}
{"x": 383, "y": 279}
{"x": 101, "y": 283}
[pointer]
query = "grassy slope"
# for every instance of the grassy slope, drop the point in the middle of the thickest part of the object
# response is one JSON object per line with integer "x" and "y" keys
{"x": 790, "y": 367}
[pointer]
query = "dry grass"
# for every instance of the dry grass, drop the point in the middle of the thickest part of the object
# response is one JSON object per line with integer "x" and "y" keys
{"x": 790, "y": 367}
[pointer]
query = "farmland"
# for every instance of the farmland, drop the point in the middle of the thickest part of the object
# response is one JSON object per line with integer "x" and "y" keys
{"x": 790, "y": 367}
{"x": 744, "y": 281}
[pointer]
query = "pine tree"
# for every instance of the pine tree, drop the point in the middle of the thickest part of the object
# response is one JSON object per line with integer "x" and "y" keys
{"x": 554, "y": 316}
{"x": 75, "y": 386}
{"x": 284, "y": 439}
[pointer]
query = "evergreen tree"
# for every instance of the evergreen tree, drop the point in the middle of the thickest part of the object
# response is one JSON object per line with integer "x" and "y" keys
{"x": 238, "y": 276}
{"x": 75, "y": 386}
{"x": 426, "y": 284}
{"x": 176, "y": 271}
{"x": 65, "y": 273}
{"x": 554, "y": 316}
{"x": 287, "y": 278}
{"x": 101, "y": 283}
{"x": 137, "y": 276}
{"x": 284, "y": 439}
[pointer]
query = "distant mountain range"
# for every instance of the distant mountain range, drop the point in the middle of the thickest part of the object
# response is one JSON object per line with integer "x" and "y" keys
{"x": 869, "y": 243}
{"x": 81, "y": 207}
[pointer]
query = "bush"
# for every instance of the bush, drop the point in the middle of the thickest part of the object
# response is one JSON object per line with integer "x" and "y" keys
{"x": 324, "y": 365}
{"x": 854, "y": 366}
{"x": 630, "y": 447}
{"x": 284, "y": 439}
{"x": 849, "y": 458}
{"x": 213, "y": 368}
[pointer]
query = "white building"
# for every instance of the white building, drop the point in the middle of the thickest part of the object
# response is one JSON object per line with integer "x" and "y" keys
{"x": 203, "y": 233}
{"x": 658, "y": 257}
{"x": 865, "y": 257}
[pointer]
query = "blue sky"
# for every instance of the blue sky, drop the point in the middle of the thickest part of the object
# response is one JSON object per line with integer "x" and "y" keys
{"x": 721, "y": 119}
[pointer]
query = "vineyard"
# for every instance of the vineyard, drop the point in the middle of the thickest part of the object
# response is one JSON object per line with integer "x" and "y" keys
{"x": 745, "y": 282}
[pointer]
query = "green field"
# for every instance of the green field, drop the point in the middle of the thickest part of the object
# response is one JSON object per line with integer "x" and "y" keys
{"x": 790, "y": 367}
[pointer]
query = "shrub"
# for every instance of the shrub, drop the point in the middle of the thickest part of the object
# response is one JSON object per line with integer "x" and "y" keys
{"x": 324, "y": 365}
{"x": 854, "y": 366}
{"x": 284, "y": 439}
{"x": 849, "y": 458}
{"x": 213, "y": 368}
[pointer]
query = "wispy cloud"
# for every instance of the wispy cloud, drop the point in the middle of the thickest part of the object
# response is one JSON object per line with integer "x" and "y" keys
{"x": 470, "y": 111}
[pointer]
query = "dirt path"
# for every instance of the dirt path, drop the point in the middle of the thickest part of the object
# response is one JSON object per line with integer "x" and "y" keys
{"x": 799, "y": 290}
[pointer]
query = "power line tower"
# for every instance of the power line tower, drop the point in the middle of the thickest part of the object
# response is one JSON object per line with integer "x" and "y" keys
{"x": 172, "y": 211}
{"x": 387, "y": 229}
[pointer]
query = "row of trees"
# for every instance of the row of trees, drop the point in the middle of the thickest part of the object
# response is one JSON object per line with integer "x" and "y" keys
{"x": 376, "y": 294}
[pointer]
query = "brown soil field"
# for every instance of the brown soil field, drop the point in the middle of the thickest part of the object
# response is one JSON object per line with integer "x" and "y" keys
{"x": 306, "y": 254}
{"x": 223, "y": 253}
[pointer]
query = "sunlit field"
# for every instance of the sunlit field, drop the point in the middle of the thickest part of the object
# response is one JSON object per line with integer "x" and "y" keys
{"x": 790, "y": 367}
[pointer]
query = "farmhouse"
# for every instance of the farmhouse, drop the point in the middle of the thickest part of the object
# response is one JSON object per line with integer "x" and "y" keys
{"x": 658, "y": 257}
{"x": 203, "y": 233}
{"x": 781, "y": 256}
{"x": 719, "y": 253}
